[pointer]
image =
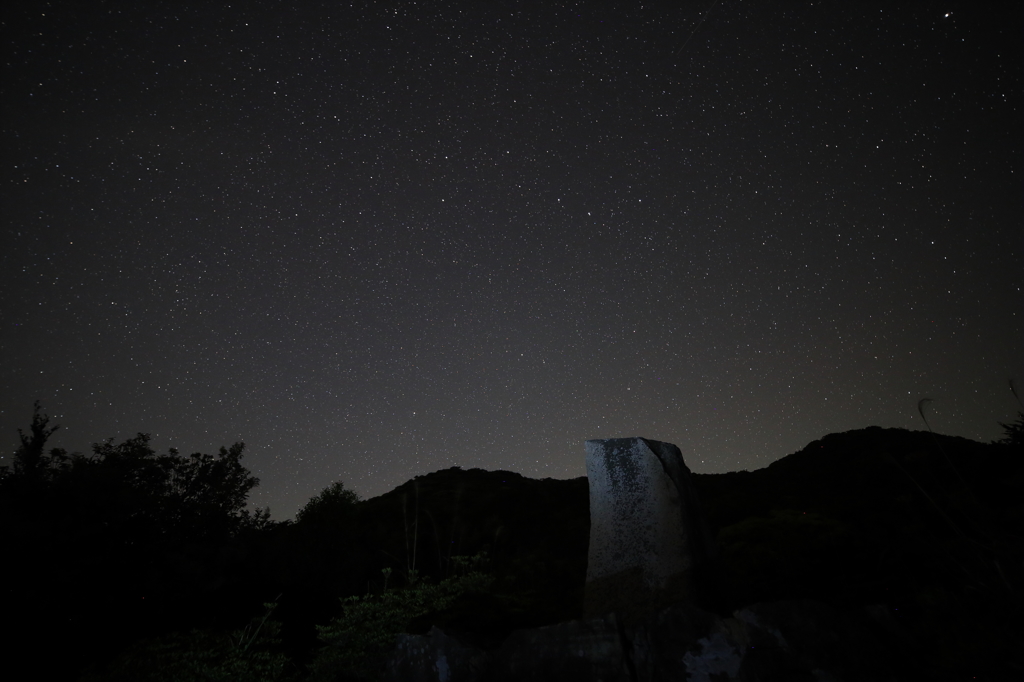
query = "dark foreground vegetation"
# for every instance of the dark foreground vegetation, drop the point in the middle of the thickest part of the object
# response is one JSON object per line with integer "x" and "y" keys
{"x": 126, "y": 564}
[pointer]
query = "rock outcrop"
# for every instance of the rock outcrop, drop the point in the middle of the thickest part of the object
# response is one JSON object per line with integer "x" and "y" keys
{"x": 436, "y": 657}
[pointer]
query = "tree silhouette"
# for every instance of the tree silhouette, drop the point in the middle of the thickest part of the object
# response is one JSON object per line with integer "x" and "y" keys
{"x": 117, "y": 544}
{"x": 1013, "y": 433}
{"x": 29, "y": 462}
{"x": 333, "y": 504}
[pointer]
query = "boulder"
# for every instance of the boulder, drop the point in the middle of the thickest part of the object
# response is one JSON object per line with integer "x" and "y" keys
{"x": 435, "y": 657}
{"x": 683, "y": 642}
{"x": 786, "y": 640}
{"x": 810, "y": 638}
{"x": 574, "y": 651}
{"x": 648, "y": 538}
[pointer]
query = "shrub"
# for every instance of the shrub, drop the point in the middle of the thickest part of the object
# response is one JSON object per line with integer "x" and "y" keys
{"x": 202, "y": 656}
{"x": 360, "y": 639}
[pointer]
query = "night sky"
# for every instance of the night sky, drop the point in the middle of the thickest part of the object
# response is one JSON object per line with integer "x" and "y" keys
{"x": 374, "y": 240}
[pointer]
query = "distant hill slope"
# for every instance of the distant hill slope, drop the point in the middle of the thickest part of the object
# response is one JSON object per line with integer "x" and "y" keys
{"x": 867, "y": 465}
{"x": 871, "y": 497}
{"x": 535, "y": 532}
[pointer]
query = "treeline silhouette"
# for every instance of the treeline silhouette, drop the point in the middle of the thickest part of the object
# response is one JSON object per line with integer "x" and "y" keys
{"x": 105, "y": 548}
{"x": 128, "y": 564}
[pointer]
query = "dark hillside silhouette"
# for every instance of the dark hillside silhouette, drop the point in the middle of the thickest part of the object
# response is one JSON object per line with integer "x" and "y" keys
{"x": 925, "y": 531}
{"x": 920, "y": 534}
{"x": 533, "y": 532}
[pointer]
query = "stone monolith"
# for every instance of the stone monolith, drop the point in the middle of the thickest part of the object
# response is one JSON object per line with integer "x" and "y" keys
{"x": 647, "y": 534}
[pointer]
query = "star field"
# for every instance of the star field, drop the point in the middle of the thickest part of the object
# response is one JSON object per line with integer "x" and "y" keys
{"x": 374, "y": 240}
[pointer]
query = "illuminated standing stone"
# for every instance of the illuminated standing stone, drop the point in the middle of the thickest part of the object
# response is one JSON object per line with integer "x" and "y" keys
{"x": 647, "y": 535}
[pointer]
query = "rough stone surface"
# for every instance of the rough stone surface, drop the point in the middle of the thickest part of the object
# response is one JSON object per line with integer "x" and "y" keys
{"x": 435, "y": 657}
{"x": 575, "y": 651}
{"x": 684, "y": 640}
{"x": 647, "y": 534}
{"x": 813, "y": 638}
{"x": 786, "y": 640}
{"x": 789, "y": 640}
